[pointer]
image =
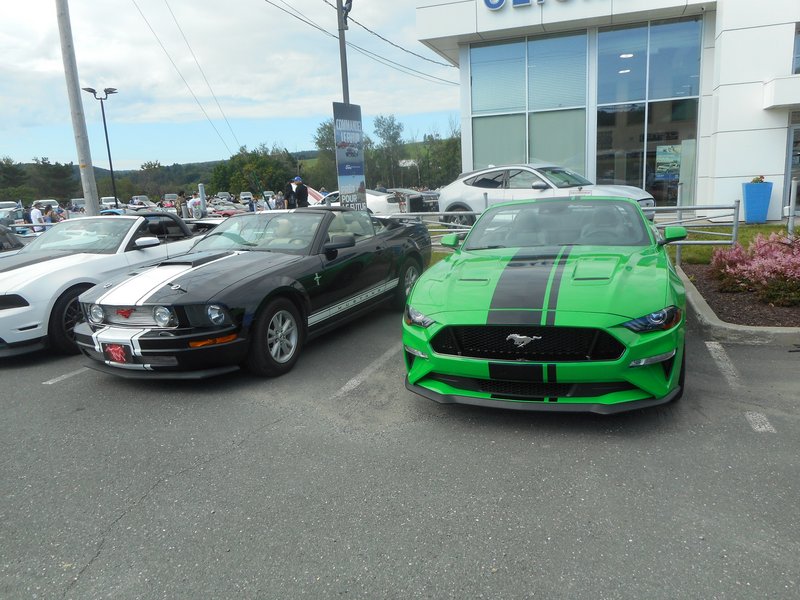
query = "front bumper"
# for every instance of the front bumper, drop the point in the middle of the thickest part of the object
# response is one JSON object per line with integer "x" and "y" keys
{"x": 599, "y": 386}
{"x": 136, "y": 353}
{"x": 22, "y": 330}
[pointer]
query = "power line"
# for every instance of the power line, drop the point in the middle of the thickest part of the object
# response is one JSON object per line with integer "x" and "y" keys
{"x": 213, "y": 95}
{"x": 186, "y": 83}
{"x": 369, "y": 54}
{"x": 391, "y": 43}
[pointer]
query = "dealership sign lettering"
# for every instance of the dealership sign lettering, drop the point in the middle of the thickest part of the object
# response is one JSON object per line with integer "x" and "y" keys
{"x": 498, "y": 4}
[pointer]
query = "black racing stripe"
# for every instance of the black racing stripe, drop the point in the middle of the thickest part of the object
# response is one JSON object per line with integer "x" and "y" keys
{"x": 508, "y": 372}
{"x": 523, "y": 283}
{"x": 552, "y": 302}
{"x": 514, "y": 317}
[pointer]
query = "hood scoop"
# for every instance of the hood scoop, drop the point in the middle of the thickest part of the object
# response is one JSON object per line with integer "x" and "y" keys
{"x": 595, "y": 269}
{"x": 195, "y": 260}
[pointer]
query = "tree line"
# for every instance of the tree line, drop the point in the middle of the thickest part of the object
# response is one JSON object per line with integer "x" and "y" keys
{"x": 390, "y": 160}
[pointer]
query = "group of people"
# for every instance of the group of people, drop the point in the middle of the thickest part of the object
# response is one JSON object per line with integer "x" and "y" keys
{"x": 40, "y": 213}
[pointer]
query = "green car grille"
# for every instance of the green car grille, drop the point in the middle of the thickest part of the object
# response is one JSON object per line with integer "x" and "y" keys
{"x": 546, "y": 344}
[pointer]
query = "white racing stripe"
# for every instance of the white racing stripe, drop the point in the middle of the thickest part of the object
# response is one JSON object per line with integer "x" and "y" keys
{"x": 725, "y": 364}
{"x": 65, "y": 376}
{"x": 135, "y": 291}
{"x": 759, "y": 422}
{"x": 367, "y": 371}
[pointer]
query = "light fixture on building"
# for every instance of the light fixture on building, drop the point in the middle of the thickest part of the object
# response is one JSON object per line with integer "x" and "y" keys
{"x": 626, "y": 55}
{"x": 624, "y": 71}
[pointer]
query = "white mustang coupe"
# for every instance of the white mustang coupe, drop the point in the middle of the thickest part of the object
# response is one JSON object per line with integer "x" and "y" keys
{"x": 40, "y": 284}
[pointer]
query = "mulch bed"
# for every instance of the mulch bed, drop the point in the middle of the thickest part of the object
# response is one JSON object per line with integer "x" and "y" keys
{"x": 741, "y": 308}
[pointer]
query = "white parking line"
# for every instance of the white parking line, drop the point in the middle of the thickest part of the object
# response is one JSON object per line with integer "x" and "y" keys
{"x": 367, "y": 371}
{"x": 66, "y": 376}
{"x": 725, "y": 364}
{"x": 759, "y": 422}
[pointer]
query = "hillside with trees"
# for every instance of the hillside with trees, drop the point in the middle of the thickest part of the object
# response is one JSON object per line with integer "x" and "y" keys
{"x": 389, "y": 159}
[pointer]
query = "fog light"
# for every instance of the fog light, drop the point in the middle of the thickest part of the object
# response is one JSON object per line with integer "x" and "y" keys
{"x": 96, "y": 314}
{"x": 415, "y": 352}
{"x": 652, "y": 360}
{"x": 162, "y": 316}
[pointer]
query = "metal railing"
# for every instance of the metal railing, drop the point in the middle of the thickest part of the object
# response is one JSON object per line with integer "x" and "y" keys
{"x": 684, "y": 216}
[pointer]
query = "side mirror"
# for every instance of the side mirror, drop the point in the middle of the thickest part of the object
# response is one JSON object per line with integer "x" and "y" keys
{"x": 540, "y": 185}
{"x": 340, "y": 241}
{"x": 673, "y": 234}
{"x": 146, "y": 242}
{"x": 450, "y": 240}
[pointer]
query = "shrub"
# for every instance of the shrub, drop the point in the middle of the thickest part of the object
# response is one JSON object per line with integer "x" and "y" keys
{"x": 770, "y": 267}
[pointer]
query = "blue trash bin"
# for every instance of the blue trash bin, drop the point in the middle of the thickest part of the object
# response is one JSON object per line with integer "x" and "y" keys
{"x": 756, "y": 201}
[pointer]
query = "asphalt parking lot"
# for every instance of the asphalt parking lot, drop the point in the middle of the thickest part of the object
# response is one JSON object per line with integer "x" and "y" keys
{"x": 335, "y": 481}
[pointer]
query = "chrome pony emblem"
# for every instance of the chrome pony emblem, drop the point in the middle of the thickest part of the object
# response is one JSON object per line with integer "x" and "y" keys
{"x": 520, "y": 341}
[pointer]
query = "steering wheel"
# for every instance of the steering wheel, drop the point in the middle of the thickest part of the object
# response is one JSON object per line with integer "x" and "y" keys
{"x": 598, "y": 235}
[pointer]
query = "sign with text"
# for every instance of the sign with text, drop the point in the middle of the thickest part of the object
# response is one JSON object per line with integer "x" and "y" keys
{"x": 349, "y": 138}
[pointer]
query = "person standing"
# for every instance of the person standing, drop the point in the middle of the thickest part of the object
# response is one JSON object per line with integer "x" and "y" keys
{"x": 180, "y": 203}
{"x": 36, "y": 216}
{"x": 296, "y": 193}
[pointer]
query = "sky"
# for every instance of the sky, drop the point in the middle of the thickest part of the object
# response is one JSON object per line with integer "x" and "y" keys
{"x": 198, "y": 79}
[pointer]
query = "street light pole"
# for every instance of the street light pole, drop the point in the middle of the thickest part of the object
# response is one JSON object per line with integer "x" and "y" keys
{"x": 342, "y": 10}
{"x": 107, "y": 92}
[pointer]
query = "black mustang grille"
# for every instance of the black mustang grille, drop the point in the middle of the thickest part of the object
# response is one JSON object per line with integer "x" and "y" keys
{"x": 554, "y": 344}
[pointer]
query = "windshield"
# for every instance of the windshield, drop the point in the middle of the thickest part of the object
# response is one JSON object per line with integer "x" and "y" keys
{"x": 101, "y": 235}
{"x": 292, "y": 233}
{"x": 563, "y": 178}
{"x": 559, "y": 222}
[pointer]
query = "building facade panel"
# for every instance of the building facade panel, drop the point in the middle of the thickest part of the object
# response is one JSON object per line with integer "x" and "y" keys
{"x": 681, "y": 97}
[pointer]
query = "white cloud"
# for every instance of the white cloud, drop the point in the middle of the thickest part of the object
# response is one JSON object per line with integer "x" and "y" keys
{"x": 261, "y": 62}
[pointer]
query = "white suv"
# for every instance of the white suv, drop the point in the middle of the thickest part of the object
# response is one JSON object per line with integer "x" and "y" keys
{"x": 522, "y": 182}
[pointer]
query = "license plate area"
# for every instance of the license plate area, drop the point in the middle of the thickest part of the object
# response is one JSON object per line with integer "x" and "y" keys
{"x": 118, "y": 353}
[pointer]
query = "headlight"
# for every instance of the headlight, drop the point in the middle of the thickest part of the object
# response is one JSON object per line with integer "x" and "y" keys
{"x": 216, "y": 314}
{"x": 661, "y": 320}
{"x": 413, "y": 317}
{"x": 96, "y": 314}
{"x": 162, "y": 316}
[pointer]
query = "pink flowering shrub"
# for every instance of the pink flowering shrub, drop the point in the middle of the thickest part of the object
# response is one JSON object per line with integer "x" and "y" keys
{"x": 770, "y": 267}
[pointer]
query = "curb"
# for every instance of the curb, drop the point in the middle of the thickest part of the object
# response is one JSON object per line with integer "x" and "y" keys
{"x": 723, "y": 331}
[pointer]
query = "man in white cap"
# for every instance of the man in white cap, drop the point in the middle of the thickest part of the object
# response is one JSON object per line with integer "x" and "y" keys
{"x": 36, "y": 216}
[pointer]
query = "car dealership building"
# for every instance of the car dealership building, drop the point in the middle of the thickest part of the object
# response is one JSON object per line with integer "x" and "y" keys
{"x": 685, "y": 98}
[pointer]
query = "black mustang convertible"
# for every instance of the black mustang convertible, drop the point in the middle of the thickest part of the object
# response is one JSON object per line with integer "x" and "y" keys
{"x": 250, "y": 293}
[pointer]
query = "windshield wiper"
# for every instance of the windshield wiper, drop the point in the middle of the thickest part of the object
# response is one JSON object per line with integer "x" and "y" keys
{"x": 494, "y": 247}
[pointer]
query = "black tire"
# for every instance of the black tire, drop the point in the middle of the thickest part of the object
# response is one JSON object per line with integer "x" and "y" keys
{"x": 61, "y": 326}
{"x": 409, "y": 273}
{"x": 464, "y": 220}
{"x": 277, "y": 338}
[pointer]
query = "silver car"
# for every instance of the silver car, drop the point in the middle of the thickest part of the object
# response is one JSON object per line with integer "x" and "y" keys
{"x": 472, "y": 192}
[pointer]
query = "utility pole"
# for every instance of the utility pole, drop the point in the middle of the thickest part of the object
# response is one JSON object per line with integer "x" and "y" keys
{"x": 76, "y": 107}
{"x": 342, "y": 10}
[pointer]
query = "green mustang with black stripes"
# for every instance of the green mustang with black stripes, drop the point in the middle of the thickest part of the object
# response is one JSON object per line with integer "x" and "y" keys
{"x": 564, "y": 304}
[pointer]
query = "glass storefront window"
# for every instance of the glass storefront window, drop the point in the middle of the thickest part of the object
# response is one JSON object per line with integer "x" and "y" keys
{"x": 674, "y": 59}
{"x": 671, "y": 134}
{"x": 498, "y": 140}
{"x": 557, "y": 72}
{"x": 620, "y": 144}
{"x": 622, "y": 65}
{"x": 498, "y": 77}
{"x": 559, "y": 137}
{"x": 796, "y": 70}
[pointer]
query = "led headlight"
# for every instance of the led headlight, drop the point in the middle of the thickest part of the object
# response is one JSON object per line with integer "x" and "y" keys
{"x": 661, "y": 320}
{"x": 96, "y": 314}
{"x": 216, "y": 314}
{"x": 413, "y": 317}
{"x": 162, "y": 316}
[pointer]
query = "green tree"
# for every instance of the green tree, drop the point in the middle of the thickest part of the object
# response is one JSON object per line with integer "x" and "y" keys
{"x": 389, "y": 149}
{"x": 323, "y": 171}
{"x": 11, "y": 174}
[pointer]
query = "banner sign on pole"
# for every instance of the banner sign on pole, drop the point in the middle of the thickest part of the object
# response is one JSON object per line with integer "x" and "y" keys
{"x": 349, "y": 138}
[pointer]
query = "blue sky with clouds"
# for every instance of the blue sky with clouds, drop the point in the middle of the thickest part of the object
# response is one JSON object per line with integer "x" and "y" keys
{"x": 274, "y": 77}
